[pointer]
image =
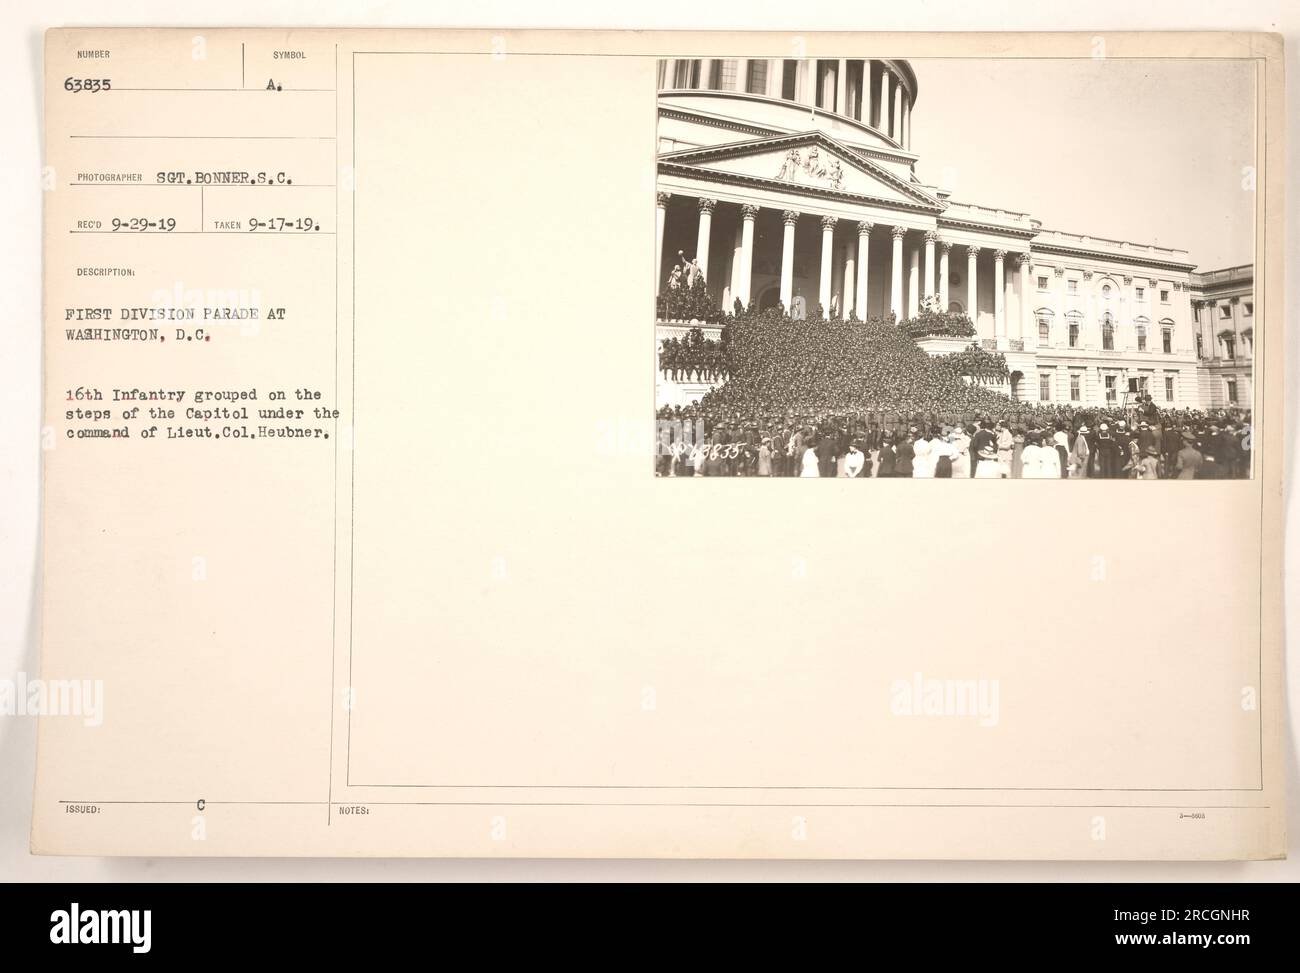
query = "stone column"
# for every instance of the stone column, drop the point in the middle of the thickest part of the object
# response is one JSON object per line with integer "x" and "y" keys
{"x": 809, "y": 90}
{"x": 944, "y": 247}
{"x": 1153, "y": 316}
{"x": 742, "y": 74}
{"x": 789, "y": 218}
{"x": 1199, "y": 328}
{"x": 1133, "y": 312}
{"x": 828, "y": 242}
{"x": 1026, "y": 303}
{"x": 927, "y": 291}
{"x": 702, "y": 238}
{"x": 847, "y": 301}
{"x": 706, "y": 73}
{"x": 748, "y": 214}
{"x": 999, "y": 296}
{"x": 670, "y": 70}
{"x": 882, "y": 116}
{"x": 661, "y": 216}
{"x": 972, "y": 285}
{"x": 732, "y": 290}
{"x": 1060, "y": 323}
{"x": 842, "y": 88}
{"x": 906, "y": 140}
{"x": 896, "y": 273}
{"x": 914, "y": 283}
{"x": 864, "y": 246}
{"x": 896, "y": 129}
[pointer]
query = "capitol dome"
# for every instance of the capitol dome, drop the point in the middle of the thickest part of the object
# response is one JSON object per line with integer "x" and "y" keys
{"x": 859, "y": 102}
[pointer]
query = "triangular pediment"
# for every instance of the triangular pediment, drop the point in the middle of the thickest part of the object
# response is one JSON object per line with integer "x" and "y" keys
{"x": 808, "y": 162}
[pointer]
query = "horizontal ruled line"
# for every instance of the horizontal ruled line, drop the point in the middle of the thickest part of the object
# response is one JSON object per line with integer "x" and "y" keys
{"x": 306, "y": 138}
{"x": 210, "y": 185}
{"x": 267, "y": 233}
{"x": 1024, "y": 807}
{"x": 277, "y": 91}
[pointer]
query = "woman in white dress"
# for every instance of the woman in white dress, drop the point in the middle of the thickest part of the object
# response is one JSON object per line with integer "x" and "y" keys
{"x": 941, "y": 455}
{"x": 1049, "y": 460}
{"x": 808, "y": 462}
{"x": 1031, "y": 457}
{"x": 922, "y": 459}
{"x": 960, "y": 443}
{"x": 989, "y": 468}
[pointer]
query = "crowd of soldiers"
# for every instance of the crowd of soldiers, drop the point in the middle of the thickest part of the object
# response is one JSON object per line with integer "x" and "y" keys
{"x": 1142, "y": 443}
{"x": 694, "y": 358}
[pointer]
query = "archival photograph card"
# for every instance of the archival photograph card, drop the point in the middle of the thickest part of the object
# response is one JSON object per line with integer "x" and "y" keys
{"x": 375, "y": 361}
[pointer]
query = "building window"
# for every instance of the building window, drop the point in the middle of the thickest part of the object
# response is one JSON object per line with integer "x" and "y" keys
{"x": 1042, "y": 283}
{"x": 1110, "y": 389}
{"x": 726, "y": 70}
{"x": 1072, "y": 287}
{"x": 1164, "y": 297}
{"x": 1250, "y": 308}
{"x": 1169, "y": 388}
{"x": 1230, "y": 347}
{"x": 756, "y": 83}
{"x": 1073, "y": 330}
{"x": 1105, "y": 290}
{"x": 1232, "y": 391}
{"x": 1141, "y": 332}
{"x": 1044, "y": 318}
{"x": 1200, "y": 347}
{"x": 1141, "y": 293}
{"x": 1107, "y": 332}
{"x": 1045, "y": 386}
{"x": 1076, "y": 389}
{"x": 1225, "y": 312}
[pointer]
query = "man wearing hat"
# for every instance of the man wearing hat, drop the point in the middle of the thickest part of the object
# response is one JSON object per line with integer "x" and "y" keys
{"x": 1171, "y": 441}
{"x": 1080, "y": 454}
{"x": 1146, "y": 438}
{"x": 983, "y": 437}
{"x": 1189, "y": 459}
{"x": 1210, "y": 448}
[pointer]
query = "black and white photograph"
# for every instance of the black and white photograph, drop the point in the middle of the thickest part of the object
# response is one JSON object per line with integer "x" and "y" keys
{"x": 955, "y": 268}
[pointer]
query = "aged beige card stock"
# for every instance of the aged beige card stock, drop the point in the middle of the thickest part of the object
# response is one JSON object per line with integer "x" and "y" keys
{"x": 375, "y": 362}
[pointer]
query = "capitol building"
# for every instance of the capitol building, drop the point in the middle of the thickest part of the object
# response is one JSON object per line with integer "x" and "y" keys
{"x": 794, "y": 182}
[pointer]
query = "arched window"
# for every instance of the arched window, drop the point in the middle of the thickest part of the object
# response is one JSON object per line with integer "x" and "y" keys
{"x": 1140, "y": 333}
{"x": 1107, "y": 332}
{"x": 1074, "y": 327}
{"x": 1044, "y": 318}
